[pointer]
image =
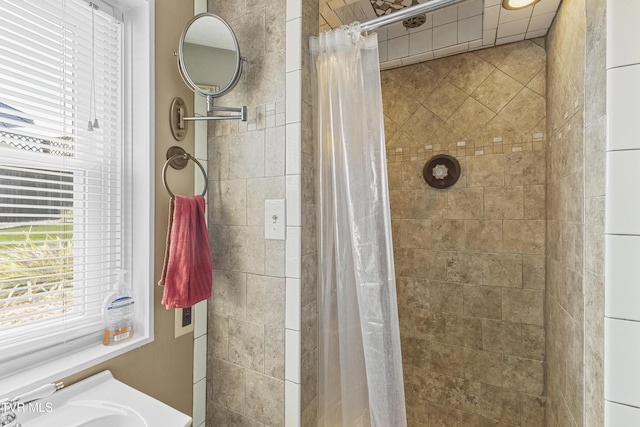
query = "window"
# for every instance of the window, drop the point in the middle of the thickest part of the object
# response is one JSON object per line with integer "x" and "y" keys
{"x": 67, "y": 183}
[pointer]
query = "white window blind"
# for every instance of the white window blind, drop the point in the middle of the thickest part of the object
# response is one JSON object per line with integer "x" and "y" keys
{"x": 61, "y": 188}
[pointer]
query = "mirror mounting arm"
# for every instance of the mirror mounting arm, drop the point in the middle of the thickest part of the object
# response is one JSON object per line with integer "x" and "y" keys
{"x": 178, "y": 119}
{"x": 241, "y": 110}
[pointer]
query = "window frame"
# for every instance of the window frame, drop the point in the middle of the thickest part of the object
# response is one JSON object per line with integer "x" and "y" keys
{"x": 138, "y": 174}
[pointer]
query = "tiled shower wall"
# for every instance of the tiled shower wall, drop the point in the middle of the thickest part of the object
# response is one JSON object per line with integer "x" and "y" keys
{"x": 309, "y": 261}
{"x": 470, "y": 259}
{"x": 246, "y": 349}
{"x": 595, "y": 117}
{"x": 622, "y": 225}
{"x": 565, "y": 218}
{"x": 262, "y": 321}
{"x": 575, "y": 215}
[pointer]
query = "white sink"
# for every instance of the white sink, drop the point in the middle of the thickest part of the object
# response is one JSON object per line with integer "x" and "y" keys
{"x": 101, "y": 401}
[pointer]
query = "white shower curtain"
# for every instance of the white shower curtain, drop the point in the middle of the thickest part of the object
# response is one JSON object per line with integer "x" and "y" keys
{"x": 360, "y": 377}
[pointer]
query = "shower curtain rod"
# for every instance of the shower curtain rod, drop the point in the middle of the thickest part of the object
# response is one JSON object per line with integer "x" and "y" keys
{"x": 405, "y": 13}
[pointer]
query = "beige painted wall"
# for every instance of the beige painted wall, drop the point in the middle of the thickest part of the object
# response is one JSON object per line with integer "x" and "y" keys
{"x": 164, "y": 368}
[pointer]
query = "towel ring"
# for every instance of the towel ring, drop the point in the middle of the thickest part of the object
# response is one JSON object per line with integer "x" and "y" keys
{"x": 184, "y": 156}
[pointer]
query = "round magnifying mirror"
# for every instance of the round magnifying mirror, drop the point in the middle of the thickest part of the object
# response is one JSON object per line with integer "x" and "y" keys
{"x": 209, "y": 55}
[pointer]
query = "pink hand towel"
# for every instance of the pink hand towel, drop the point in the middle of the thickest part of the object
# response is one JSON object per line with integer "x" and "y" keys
{"x": 187, "y": 269}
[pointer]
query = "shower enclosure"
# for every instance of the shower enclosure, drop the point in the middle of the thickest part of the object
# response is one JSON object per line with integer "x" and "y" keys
{"x": 475, "y": 264}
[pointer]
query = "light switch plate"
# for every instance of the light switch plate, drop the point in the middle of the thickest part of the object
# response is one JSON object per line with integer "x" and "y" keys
{"x": 275, "y": 223}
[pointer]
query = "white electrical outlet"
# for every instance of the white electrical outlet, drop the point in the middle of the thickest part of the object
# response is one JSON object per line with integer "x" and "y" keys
{"x": 275, "y": 224}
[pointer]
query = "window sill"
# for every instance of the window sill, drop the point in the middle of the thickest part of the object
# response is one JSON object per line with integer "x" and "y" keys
{"x": 70, "y": 364}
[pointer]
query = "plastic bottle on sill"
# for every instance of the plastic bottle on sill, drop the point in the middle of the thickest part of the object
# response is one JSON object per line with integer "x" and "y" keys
{"x": 118, "y": 313}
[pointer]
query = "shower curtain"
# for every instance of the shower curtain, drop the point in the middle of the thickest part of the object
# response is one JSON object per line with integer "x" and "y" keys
{"x": 360, "y": 364}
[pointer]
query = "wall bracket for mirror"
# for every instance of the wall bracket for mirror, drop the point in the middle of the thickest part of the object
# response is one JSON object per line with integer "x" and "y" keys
{"x": 178, "y": 116}
{"x": 209, "y": 63}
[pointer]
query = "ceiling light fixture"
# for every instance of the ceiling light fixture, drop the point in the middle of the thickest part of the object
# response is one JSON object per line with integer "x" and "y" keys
{"x": 518, "y": 4}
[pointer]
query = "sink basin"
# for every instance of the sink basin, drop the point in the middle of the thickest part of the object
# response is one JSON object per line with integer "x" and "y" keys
{"x": 88, "y": 413}
{"x": 101, "y": 401}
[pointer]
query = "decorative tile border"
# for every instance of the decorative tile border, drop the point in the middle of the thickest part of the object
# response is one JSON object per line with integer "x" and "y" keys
{"x": 495, "y": 145}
